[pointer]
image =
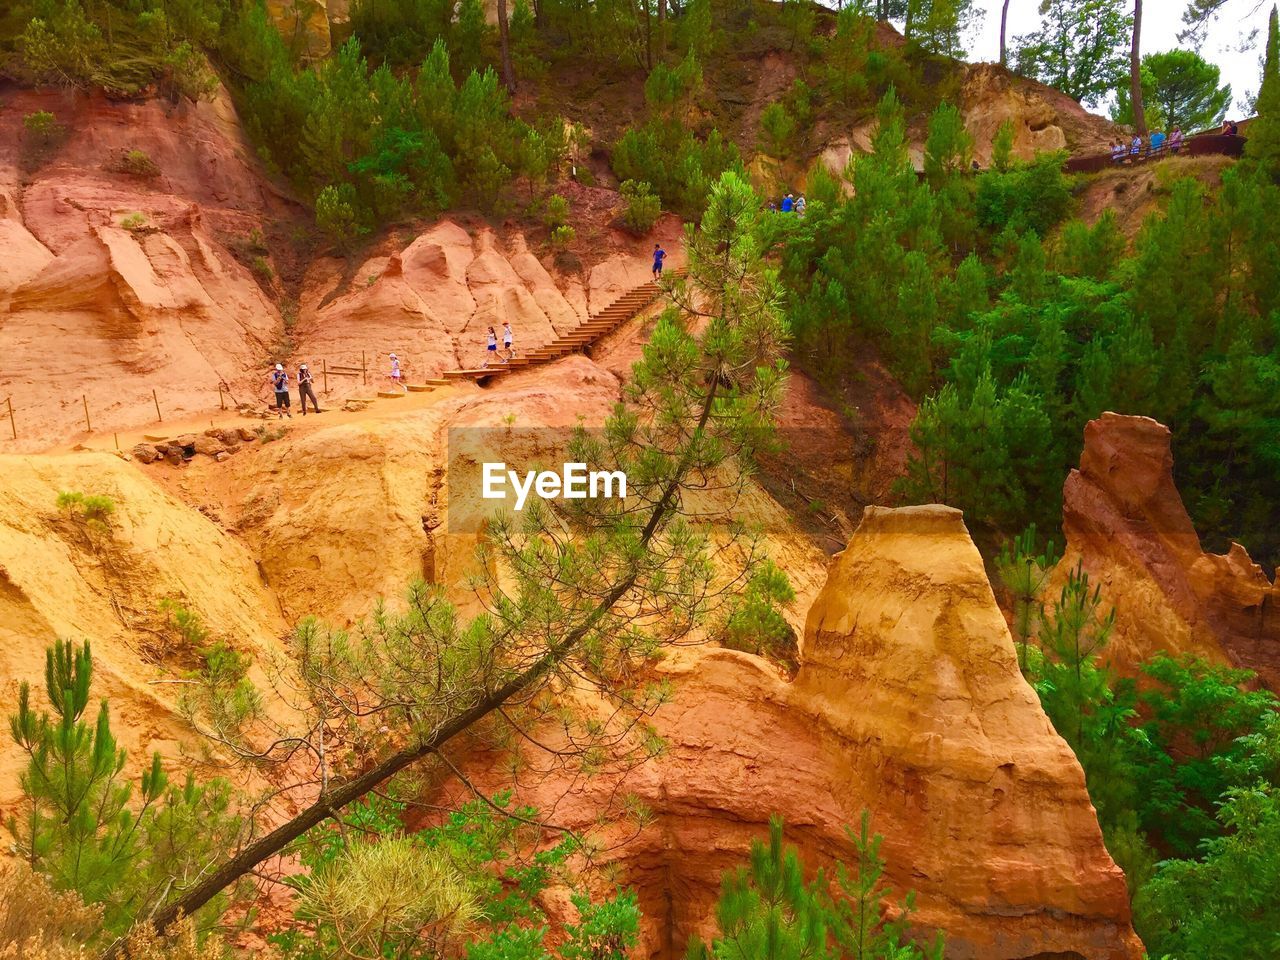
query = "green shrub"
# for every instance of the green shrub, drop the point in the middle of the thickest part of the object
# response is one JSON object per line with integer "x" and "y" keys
{"x": 777, "y": 129}
{"x": 338, "y": 215}
{"x": 94, "y": 509}
{"x": 555, "y": 212}
{"x": 42, "y": 125}
{"x": 562, "y": 236}
{"x": 643, "y": 206}
{"x": 184, "y": 624}
{"x": 261, "y": 268}
{"x": 756, "y": 624}
{"x": 133, "y": 222}
{"x": 136, "y": 163}
{"x": 1034, "y": 196}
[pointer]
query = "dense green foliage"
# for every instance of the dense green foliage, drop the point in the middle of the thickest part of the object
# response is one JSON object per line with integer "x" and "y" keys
{"x": 1263, "y": 147}
{"x": 769, "y": 910}
{"x": 1015, "y": 325}
{"x": 1183, "y": 768}
{"x": 124, "y": 48}
{"x": 1080, "y": 48}
{"x": 1179, "y": 89}
{"x": 467, "y": 886}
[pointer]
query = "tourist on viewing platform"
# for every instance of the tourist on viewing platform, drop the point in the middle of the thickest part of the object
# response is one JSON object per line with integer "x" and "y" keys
{"x": 507, "y": 337}
{"x": 305, "y": 390}
{"x": 491, "y": 344}
{"x": 658, "y": 256}
{"x": 1135, "y": 148}
{"x": 1175, "y": 140}
{"x": 1230, "y": 129}
{"x": 1117, "y": 152}
{"x": 280, "y": 383}
{"x": 1157, "y": 141}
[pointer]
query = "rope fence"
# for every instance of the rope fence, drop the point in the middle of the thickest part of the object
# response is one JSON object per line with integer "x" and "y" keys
{"x": 263, "y": 398}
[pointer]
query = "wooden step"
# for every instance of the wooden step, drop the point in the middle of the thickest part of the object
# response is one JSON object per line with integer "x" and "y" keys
{"x": 419, "y": 387}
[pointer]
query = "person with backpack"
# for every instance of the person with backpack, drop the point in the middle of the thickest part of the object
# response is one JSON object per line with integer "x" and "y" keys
{"x": 658, "y": 256}
{"x": 305, "y": 390}
{"x": 280, "y": 383}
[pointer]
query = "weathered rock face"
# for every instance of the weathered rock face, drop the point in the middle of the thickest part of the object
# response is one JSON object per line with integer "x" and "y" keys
{"x": 89, "y": 307}
{"x": 1044, "y": 119}
{"x": 1125, "y": 522}
{"x": 61, "y": 578}
{"x": 433, "y": 302}
{"x": 909, "y": 703}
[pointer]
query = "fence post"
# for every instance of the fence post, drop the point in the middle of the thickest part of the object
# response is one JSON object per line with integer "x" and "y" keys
{"x": 88, "y": 425}
{"x": 13, "y": 427}
{"x": 222, "y": 400}
{"x": 324, "y": 367}
{"x": 156, "y": 401}
{"x": 364, "y": 369}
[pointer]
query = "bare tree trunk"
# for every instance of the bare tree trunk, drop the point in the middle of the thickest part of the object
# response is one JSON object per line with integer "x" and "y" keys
{"x": 662, "y": 26}
{"x": 1135, "y": 72}
{"x": 504, "y": 37}
{"x": 1004, "y": 28}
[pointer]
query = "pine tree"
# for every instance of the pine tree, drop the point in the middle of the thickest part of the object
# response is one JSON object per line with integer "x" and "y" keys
{"x": 79, "y": 821}
{"x": 1263, "y": 147}
{"x": 769, "y": 911}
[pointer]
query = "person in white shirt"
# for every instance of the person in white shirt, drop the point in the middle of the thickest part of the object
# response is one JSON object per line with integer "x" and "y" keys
{"x": 507, "y": 337}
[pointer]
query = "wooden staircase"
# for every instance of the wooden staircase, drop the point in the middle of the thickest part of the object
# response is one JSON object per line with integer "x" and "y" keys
{"x": 582, "y": 336}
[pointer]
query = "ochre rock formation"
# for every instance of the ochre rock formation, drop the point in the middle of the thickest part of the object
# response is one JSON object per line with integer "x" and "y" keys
{"x": 60, "y": 578}
{"x": 909, "y": 703}
{"x": 1125, "y": 522}
{"x": 89, "y": 307}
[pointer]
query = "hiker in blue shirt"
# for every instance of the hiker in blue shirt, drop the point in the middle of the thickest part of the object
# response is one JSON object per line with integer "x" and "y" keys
{"x": 658, "y": 256}
{"x": 788, "y": 202}
{"x": 1157, "y": 141}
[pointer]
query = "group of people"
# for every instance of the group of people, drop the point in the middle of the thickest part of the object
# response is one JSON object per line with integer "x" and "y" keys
{"x": 306, "y": 391}
{"x": 789, "y": 204}
{"x": 1157, "y": 144}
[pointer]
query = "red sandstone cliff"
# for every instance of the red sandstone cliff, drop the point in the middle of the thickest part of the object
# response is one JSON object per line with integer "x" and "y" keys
{"x": 1125, "y": 521}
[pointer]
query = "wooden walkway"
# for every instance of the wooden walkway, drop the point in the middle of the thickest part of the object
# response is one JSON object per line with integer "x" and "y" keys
{"x": 584, "y": 335}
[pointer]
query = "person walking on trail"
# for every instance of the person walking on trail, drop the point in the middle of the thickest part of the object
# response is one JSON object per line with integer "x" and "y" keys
{"x": 306, "y": 390}
{"x": 1135, "y": 148}
{"x": 1175, "y": 141}
{"x": 280, "y": 383}
{"x": 507, "y": 337}
{"x": 788, "y": 203}
{"x": 800, "y": 205}
{"x": 658, "y": 256}
{"x": 394, "y": 375}
{"x": 491, "y": 345}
